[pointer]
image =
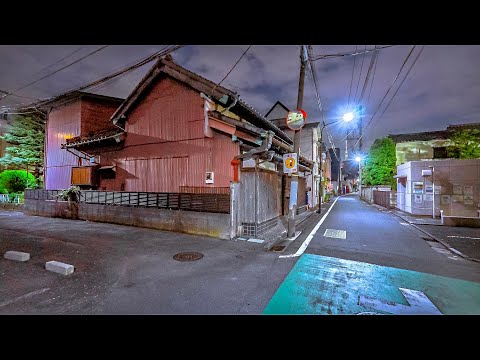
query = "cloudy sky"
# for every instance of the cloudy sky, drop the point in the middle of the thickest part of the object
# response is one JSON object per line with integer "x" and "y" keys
{"x": 442, "y": 88}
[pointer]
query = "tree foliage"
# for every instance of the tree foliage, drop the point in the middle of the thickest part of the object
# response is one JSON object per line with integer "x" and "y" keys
{"x": 26, "y": 135}
{"x": 465, "y": 144}
{"x": 380, "y": 165}
{"x": 15, "y": 181}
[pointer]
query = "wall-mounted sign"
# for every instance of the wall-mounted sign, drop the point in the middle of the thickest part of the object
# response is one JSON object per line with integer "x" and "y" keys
{"x": 457, "y": 189}
{"x": 209, "y": 177}
{"x": 457, "y": 198}
{"x": 468, "y": 190}
{"x": 438, "y": 189}
{"x": 290, "y": 164}
{"x": 468, "y": 200}
{"x": 296, "y": 119}
{"x": 418, "y": 199}
{"x": 445, "y": 199}
{"x": 428, "y": 197}
{"x": 428, "y": 189}
{"x": 417, "y": 187}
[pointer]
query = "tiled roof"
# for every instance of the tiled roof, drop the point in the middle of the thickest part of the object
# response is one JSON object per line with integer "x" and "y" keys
{"x": 432, "y": 135}
{"x": 422, "y": 136}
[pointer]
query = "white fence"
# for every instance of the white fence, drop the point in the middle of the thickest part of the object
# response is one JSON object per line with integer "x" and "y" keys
{"x": 5, "y": 198}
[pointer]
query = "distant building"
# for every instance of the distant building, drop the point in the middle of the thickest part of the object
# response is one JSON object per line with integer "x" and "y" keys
{"x": 426, "y": 145}
{"x": 425, "y": 175}
{"x": 309, "y": 141}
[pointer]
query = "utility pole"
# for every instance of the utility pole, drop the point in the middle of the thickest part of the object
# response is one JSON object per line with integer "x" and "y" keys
{"x": 292, "y": 208}
{"x": 360, "y": 128}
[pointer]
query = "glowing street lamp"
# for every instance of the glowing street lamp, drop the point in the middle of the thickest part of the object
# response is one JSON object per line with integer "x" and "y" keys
{"x": 348, "y": 116}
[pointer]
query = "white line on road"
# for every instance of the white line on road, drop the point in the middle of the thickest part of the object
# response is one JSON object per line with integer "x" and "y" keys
{"x": 309, "y": 238}
{"x": 30, "y": 294}
{"x": 463, "y": 237}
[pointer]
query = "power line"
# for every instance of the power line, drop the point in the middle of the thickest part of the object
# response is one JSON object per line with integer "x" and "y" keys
{"x": 359, "y": 76}
{"x": 351, "y": 53}
{"x": 233, "y": 67}
{"x": 390, "y": 88}
{"x": 58, "y": 61}
{"x": 319, "y": 102}
{"x": 408, "y": 71}
{"x": 58, "y": 70}
{"x": 164, "y": 51}
{"x": 367, "y": 77}
{"x": 351, "y": 81}
{"x": 373, "y": 75}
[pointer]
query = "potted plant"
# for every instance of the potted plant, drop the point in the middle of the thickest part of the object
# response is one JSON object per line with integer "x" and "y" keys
{"x": 72, "y": 194}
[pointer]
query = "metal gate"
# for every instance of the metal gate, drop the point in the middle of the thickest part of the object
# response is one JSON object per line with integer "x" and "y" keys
{"x": 381, "y": 198}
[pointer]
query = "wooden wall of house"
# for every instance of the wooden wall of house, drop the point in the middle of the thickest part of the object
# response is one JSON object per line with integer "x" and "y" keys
{"x": 165, "y": 147}
{"x": 96, "y": 115}
{"x": 63, "y": 123}
{"x": 77, "y": 118}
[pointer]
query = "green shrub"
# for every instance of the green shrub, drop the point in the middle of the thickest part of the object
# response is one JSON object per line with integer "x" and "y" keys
{"x": 15, "y": 181}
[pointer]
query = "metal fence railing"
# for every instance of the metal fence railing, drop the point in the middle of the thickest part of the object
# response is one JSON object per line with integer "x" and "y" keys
{"x": 216, "y": 203}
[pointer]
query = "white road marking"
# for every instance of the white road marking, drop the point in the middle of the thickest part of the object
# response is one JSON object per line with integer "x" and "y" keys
{"x": 418, "y": 304}
{"x": 463, "y": 237}
{"x": 333, "y": 233}
{"x": 30, "y": 294}
{"x": 309, "y": 238}
{"x": 256, "y": 241}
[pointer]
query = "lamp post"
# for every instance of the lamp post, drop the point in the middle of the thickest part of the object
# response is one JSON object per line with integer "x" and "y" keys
{"x": 433, "y": 193}
{"x": 359, "y": 160}
{"x": 347, "y": 118}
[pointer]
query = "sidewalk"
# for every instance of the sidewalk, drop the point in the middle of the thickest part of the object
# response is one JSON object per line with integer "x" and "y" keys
{"x": 463, "y": 241}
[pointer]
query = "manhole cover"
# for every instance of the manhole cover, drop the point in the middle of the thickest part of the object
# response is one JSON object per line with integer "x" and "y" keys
{"x": 278, "y": 248}
{"x": 188, "y": 256}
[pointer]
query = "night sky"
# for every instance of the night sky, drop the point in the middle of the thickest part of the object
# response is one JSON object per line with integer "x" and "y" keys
{"x": 441, "y": 89}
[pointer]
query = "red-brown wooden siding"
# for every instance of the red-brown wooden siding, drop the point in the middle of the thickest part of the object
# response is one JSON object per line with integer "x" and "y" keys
{"x": 63, "y": 122}
{"x": 96, "y": 116}
{"x": 165, "y": 147}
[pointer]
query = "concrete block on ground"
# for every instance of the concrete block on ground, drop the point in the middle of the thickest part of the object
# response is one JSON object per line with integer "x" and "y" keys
{"x": 59, "y": 267}
{"x": 17, "y": 256}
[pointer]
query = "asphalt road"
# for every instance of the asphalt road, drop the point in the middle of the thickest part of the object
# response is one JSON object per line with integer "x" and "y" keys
{"x": 127, "y": 270}
{"x": 377, "y": 237}
{"x": 361, "y": 260}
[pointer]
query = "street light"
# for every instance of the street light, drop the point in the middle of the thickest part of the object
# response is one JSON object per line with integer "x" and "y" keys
{"x": 346, "y": 117}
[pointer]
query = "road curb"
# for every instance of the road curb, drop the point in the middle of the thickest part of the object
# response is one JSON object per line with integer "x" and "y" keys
{"x": 455, "y": 251}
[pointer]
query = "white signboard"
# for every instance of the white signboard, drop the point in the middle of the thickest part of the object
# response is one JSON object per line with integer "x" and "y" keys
{"x": 468, "y": 190}
{"x": 468, "y": 200}
{"x": 418, "y": 198}
{"x": 290, "y": 163}
{"x": 457, "y": 189}
{"x": 209, "y": 177}
{"x": 428, "y": 189}
{"x": 445, "y": 199}
{"x": 428, "y": 197}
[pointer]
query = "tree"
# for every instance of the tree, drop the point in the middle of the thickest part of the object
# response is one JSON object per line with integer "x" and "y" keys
{"x": 380, "y": 165}
{"x": 26, "y": 135}
{"x": 465, "y": 144}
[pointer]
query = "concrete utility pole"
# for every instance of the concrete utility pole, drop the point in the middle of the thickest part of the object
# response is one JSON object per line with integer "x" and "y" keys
{"x": 292, "y": 208}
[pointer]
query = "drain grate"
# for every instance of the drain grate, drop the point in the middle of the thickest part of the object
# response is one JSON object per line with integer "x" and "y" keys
{"x": 278, "y": 248}
{"x": 188, "y": 256}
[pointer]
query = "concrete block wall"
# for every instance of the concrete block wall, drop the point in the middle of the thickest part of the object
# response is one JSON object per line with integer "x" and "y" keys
{"x": 190, "y": 222}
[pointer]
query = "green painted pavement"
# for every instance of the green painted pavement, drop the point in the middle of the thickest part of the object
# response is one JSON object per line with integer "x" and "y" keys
{"x": 326, "y": 285}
